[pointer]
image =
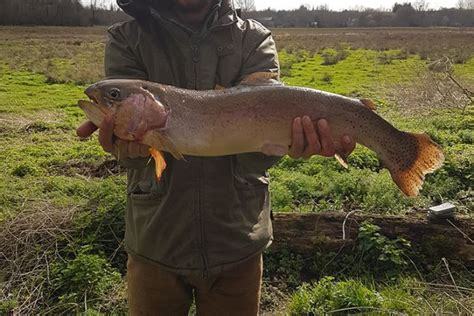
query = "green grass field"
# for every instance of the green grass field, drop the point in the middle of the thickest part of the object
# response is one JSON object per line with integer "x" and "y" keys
{"x": 62, "y": 199}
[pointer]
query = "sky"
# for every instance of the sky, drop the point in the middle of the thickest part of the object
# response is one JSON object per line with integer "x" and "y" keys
{"x": 332, "y": 4}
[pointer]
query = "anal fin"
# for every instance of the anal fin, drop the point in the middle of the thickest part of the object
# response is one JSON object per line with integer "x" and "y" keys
{"x": 342, "y": 160}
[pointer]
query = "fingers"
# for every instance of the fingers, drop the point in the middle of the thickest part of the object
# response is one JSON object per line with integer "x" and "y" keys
{"x": 144, "y": 151}
{"x": 106, "y": 134}
{"x": 127, "y": 149}
{"x": 312, "y": 140}
{"x": 297, "y": 139}
{"x": 121, "y": 149}
{"x": 327, "y": 144}
{"x": 136, "y": 150}
{"x": 86, "y": 129}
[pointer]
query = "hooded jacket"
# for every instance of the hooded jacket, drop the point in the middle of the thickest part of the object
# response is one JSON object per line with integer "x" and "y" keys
{"x": 206, "y": 213}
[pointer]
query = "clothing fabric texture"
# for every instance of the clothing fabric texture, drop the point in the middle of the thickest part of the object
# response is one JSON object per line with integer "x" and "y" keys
{"x": 156, "y": 291}
{"x": 206, "y": 214}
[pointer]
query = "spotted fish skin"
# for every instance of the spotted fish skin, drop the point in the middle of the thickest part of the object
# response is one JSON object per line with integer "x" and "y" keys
{"x": 254, "y": 119}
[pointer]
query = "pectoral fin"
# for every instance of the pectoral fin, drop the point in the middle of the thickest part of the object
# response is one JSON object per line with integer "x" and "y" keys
{"x": 160, "y": 163}
{"x": 158, "y": 139}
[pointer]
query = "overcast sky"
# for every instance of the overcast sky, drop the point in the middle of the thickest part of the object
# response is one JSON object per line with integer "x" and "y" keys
{"x": 333, "y": 4}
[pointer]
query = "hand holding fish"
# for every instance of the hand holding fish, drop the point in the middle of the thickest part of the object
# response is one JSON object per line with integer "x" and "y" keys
{"x": 310, "y": 139}
{"x": 116, "y": 146}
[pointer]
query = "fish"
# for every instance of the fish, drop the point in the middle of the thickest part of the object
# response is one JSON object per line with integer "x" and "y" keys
{"x": 252, "y": 117}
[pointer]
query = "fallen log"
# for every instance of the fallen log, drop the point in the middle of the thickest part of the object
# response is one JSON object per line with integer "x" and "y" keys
{"x": 303, "y": 233}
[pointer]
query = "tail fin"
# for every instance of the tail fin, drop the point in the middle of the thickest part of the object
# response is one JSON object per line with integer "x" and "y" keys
{"x": 428, "y": 158}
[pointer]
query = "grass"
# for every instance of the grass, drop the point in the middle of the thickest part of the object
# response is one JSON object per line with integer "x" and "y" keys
{"x": 406, "y": 296}
{"x": 62, "y": 200}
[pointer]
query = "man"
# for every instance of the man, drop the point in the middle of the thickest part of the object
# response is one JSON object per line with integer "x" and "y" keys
{"x": 201, "y": 229}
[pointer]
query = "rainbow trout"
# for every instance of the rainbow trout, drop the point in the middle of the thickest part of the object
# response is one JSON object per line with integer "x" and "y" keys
{"x": 252, "y": 118}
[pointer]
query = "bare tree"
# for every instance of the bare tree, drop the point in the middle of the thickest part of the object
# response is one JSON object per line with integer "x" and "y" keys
{"x": 245, "y": 5}
{"x": 465, "y": 4}
{"x": 421, "y": 5}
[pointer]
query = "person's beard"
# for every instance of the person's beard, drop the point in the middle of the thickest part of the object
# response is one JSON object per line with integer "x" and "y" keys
{"x": 190, "y": 6}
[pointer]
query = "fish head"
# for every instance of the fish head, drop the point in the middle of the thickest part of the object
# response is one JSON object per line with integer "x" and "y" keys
{"x": 108, "y": 95}
{"x": 135, "y": 108}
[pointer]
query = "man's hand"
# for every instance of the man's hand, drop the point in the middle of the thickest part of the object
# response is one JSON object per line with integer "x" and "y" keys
{"x": 120, "y": 148}
{"x": 308, "y": 140}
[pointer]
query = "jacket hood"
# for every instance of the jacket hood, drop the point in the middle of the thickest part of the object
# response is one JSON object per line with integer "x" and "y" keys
{"x": 141, "y": 9}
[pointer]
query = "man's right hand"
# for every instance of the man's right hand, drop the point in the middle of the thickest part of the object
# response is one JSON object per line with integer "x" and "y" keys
{"x": 119, "y": 148}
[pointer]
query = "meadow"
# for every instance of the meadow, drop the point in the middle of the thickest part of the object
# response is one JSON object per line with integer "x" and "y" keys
{"x": 62, "y": 199}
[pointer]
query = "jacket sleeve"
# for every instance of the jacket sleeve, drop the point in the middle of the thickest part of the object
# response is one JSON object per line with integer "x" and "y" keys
{"x": 121, "y": 61}
{"x": 121, "y": 53}
{"x": 260, "y": 55}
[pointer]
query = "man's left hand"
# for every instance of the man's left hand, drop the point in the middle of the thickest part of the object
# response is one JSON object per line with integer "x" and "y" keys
{"x": 310, "y": 139}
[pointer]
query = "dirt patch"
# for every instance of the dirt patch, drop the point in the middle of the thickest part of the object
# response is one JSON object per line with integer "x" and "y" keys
{"x": 72, "y": 168}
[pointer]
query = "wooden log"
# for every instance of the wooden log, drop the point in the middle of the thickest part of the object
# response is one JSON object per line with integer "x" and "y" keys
{"x": 324, "y": 232}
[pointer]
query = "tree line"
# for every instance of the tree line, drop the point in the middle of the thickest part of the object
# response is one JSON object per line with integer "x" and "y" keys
{"x": 401, "y": 15}
{"x": 58, "y": 12}
{"x": 74, "y": 13}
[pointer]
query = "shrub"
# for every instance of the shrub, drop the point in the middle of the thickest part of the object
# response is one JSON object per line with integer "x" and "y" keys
{"x": 332, "y": 57}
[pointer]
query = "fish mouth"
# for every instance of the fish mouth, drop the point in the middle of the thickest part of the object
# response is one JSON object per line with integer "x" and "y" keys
{"x": 93, "y": 99}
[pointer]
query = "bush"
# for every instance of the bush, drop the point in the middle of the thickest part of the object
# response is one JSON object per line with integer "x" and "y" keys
{"x": 332, "y": 57}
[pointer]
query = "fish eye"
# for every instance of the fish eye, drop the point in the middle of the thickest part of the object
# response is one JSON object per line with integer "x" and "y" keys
{"x": 114, "y": 93}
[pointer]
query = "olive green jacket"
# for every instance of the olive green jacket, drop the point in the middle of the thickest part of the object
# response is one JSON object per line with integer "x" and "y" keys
{"x": 205, "y": 214}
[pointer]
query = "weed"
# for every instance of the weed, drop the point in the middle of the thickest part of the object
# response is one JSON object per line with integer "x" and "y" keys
{"x": 329, "y": 296}
{"x": 381, "y": 253}
{"x": 285, "y": 266}
{"x": 85, "y": 280}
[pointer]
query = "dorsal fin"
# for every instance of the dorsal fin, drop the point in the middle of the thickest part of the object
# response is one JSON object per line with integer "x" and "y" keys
{"x": 369, "y": 104}
{"x": 260, "y": 78}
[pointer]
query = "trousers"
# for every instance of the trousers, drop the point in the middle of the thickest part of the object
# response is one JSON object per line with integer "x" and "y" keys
{"x": 155, "y": 291}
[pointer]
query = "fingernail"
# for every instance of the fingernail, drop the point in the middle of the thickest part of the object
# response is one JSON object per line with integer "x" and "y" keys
{"x": 298, "y": 120}
{"x": 323, "y": 123}
{"x": 347, "y": 139}
{"x": 306, "y": 119}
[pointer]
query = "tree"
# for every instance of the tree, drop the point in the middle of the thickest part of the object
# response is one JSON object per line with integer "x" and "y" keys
{"x": 466, "y": 4}
{"x": 245, "y": 5}
{"x": 421, "y": 5}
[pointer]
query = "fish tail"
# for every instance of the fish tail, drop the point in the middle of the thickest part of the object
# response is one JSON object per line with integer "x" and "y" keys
{"x": 420, "y": 155}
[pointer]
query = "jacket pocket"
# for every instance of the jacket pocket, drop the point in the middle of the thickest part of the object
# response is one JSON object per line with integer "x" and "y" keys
{"x": 146, "y": 190}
